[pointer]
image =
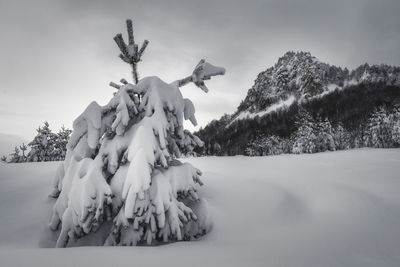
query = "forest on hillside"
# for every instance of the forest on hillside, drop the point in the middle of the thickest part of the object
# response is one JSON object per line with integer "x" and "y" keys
{"x": 363, "y": 115}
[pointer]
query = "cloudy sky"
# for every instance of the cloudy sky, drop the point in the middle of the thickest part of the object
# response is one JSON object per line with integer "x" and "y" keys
{"x": 58, "y": 56}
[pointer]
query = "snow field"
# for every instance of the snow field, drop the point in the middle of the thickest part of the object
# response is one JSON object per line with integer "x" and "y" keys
{"x": 327, "y": 209}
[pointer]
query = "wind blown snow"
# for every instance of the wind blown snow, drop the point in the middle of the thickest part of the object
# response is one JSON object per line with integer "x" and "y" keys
{"x": 326, "y": 209}
{"x": 274, "y": 107}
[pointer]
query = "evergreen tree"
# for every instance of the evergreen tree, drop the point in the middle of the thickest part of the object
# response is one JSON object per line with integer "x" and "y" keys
{"x": 394, "y": 121}
{"x": 128, "y": 149}
{"x": 266, "y": 145}
{"x": 15, "y": 156}
{"x": 23, "y": 148}
{"x": 304, "y": 138}
{"x": 341, "y": 137}
{"x": 311, "y": 85}
{"x": 324, "y": 136}
{"x": 42, "y": 146}
{"x": 60, "y": 146}
{"x": 378, "y": 133}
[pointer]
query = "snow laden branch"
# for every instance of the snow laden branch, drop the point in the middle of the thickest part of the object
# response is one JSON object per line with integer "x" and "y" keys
{"x": 203, "y": 71}
{"x": 130, "y": 53}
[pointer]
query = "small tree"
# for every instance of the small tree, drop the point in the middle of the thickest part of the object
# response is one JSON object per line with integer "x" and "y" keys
{"x": 23, "y": 148}
{"x": 15, "y": 156}
{"x": 324, "y": 136}
{"x": 394, "y": 121}
{"x": 42, "y": 146}
{"x": 304, "y": 138}
{"x": 378, "y": 130}
{"x": 342, "y": 137}
{"x": 60, "y": 145}
{"x": 4, "y": 158}
{"x": 128, "y": 149}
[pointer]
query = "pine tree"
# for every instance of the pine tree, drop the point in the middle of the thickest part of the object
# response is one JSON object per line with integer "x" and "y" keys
{"x": 282, "y": 77}
{"x": 15, "y": 156}
{"x": 378, "y": 133}
{"x": 324, "y": 136}
{"x": 394, "y": 121}
{"x": 266, "y": 145}
{"x": 310, "y": 85}
{"x": 304, "y": 138}
{"x": 128, "y": 149}
{"x": 60, "y": 145}
{"x": 23, "y": 148}
{"x": 341, "y": 137}
{"x": 42, "y": 146}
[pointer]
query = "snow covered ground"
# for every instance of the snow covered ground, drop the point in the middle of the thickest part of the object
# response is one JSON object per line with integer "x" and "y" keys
{"x": 327, "y": 209}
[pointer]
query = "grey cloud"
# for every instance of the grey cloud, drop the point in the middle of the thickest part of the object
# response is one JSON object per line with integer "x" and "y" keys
{"x": 62, "y": 51}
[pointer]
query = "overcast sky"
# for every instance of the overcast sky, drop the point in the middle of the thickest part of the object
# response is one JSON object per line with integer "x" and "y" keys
{"x": 58, "y": 56}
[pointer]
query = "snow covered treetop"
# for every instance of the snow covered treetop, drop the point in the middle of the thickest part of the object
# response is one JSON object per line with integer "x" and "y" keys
{"x": 130, "y": 53}
{"x": 122, "y": 165}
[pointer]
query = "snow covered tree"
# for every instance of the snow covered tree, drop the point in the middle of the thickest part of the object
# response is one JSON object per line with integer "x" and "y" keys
{"x": 266, "y": 145}
{"x": 341, "y": 137}
{"x": 394, "y": 121}
{"x": 324, "y": 136}
{"x": 378, "y": 130}
{"x": 4, "y": 158}
{"x": 311, "y": 85}
{"x": 42, "y": 146}
{"x": 304, "y": 138}
{"x": 15, "y": 156}
{"x": 60, "y": 145}
{"x": 282, "y": 77}
{"x": 23, "y": 148}
{"x": 121, "y": 165}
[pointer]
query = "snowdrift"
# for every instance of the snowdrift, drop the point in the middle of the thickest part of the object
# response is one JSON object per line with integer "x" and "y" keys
{"x": 327, "y": 209}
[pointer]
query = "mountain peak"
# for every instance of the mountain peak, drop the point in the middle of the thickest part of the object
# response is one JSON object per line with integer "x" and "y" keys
{"x": 300, "y": 75}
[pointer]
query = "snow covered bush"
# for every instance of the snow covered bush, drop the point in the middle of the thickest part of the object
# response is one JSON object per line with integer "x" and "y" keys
{"x": 121, "y": 164}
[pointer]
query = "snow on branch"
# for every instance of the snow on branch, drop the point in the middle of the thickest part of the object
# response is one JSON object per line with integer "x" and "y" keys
{"x": 203, "y": 71}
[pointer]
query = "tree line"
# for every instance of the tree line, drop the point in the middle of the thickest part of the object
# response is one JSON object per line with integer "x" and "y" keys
{"x": 45, "y": 146}
{"x": 364, "y": 115}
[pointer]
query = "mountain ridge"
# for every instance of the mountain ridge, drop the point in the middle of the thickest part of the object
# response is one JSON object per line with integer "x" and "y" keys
{"x": 301, "y": 101}
{"x": 300, "y": 75}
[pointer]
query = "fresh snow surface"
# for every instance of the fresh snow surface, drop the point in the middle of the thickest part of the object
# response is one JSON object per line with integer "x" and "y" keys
{"x": 274, "y": 107}
{"x": 327, "y": 209}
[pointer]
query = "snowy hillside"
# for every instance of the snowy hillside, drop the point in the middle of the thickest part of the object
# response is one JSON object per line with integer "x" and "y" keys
{"x": 326, "y": 209}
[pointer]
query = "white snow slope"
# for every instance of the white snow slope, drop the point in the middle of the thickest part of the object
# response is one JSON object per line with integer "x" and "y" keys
{"x": 328, "y": 209}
